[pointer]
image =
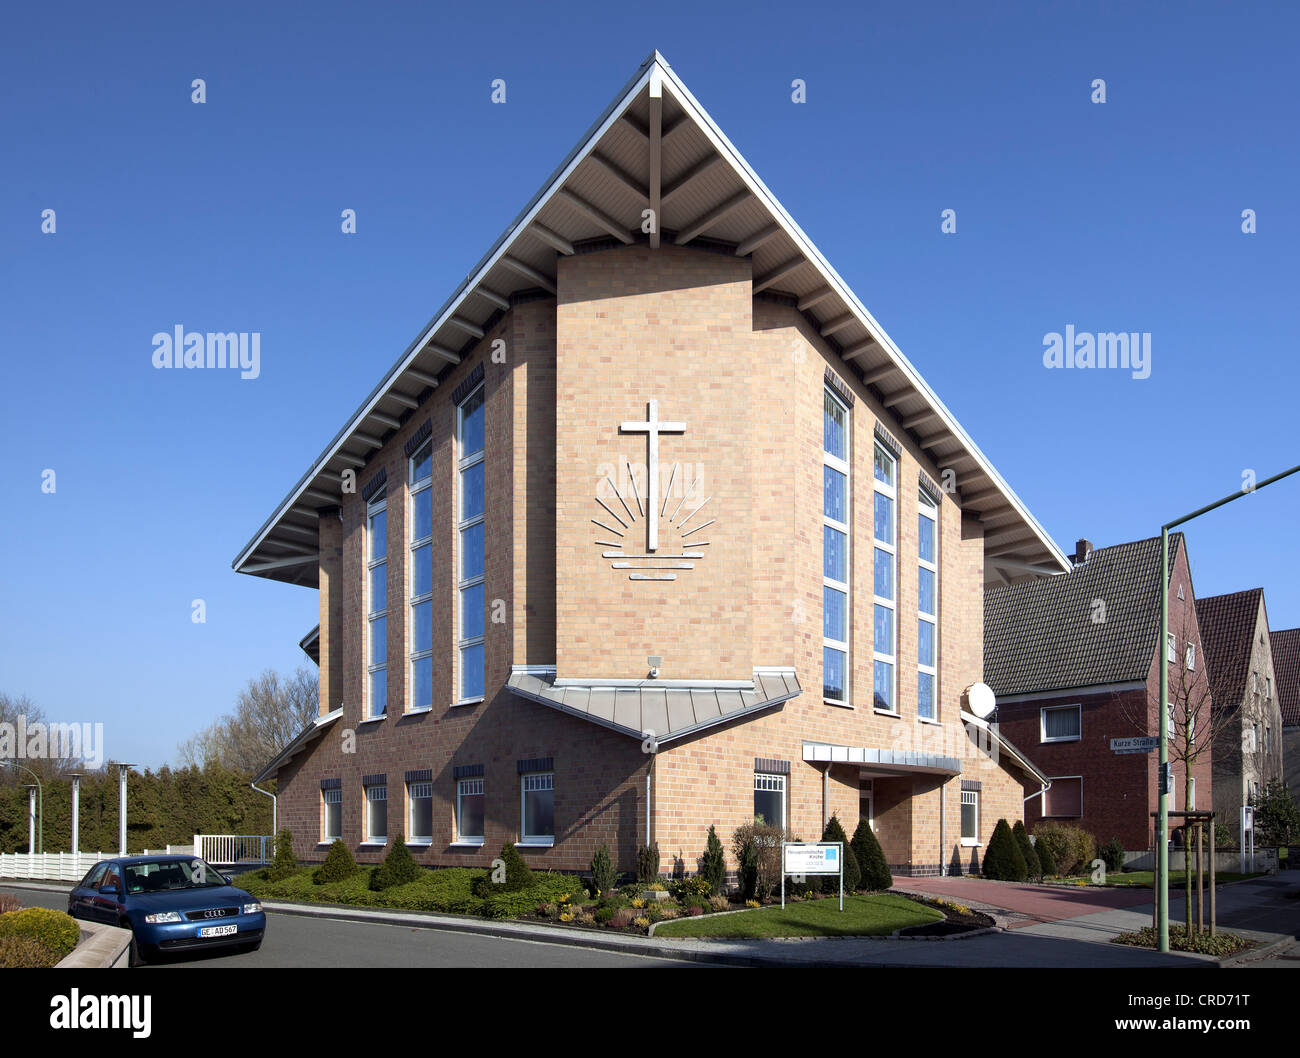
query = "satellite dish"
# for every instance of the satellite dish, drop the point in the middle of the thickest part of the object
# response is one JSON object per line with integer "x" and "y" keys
{"x": 980, "y": 700}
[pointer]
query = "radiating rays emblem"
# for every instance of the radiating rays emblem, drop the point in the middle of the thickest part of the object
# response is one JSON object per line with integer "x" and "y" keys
{"x": 626, "y": 526}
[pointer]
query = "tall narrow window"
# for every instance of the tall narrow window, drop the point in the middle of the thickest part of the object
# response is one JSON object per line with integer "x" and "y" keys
{"x": 469, "y": 810}
{"x": 332, "y": 823}
{"x": 769, "y": 799}
{"x": 377, "y": 607}
{"x": 927, "y": 606}
{"x": 970, "y": 817}
{"x": 420, "y": 589}
{"x": 538, "y": 807}
{"x": 885, "y": 581}
{"x": 470, "y": 469}
{"x": 419, "y": 826}
{"x": 835, "y": 552}
{"x": 377, "y": 814}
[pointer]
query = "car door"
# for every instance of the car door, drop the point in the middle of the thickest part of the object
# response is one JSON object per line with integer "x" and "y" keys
{"x": 79, "y": 900}
{"x": 107, "y": 900}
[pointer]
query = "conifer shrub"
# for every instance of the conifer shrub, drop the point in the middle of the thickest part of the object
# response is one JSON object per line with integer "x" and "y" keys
{"x": 1033, "y": 868}
{"x": 871, "y": 859}
{"x": 1112, "y": 855}
{"x": 1002, "y": 858}
{"x": 747, "y": 870}
{"x": 284, "y": 863}
{"x": 517, "y": 875}
{"x": 338, "y": 866}
{"x": 852, "y": 872}
{"x": 1045, "y": 860}
{"x": 603, "y": 876}
{"x": 713, "y": 866}
{"x": 647, "y": 863}
{"x": 398, "y": 868}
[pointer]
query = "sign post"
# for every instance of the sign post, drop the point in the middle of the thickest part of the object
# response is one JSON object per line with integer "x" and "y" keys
{"x": 804, "y": 858}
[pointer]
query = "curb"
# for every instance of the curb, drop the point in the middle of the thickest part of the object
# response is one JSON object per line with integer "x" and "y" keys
{"x": 102, "y": 947}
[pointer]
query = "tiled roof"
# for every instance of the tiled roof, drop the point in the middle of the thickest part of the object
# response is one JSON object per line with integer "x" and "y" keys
{"x": 1227, "y": 624}
{"x": 1286, "y": 666}
{"x": 1043, "y": 634}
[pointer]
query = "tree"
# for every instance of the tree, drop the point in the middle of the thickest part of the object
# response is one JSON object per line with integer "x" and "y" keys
{"x": 1046, "y": 861}
{"x": 270, "y": 712}
{"x": 603, "y": 875}
{"x": 1277, "y": 817}
{"x": 398, "y": 868}
{"x": 20, "y": 714}
{"x": 871, "y": 858}
{"x": 852, "y": 872}
{"x": 1033, "y": 865}
{"x": 713, "y": 866}
{"x": 1002, "y": 859}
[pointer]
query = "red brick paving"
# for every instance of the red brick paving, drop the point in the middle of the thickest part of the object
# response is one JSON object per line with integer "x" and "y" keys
{"x": 1036, "y": 903}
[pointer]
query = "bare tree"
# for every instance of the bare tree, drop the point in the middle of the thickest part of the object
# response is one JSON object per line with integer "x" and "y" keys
{"x": 269, "y": 713}
{"x": 60, "y": 745}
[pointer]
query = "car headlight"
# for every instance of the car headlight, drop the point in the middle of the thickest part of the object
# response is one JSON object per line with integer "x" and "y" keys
{"x": 252, "y": 909}
{"x": 164, "y": 916}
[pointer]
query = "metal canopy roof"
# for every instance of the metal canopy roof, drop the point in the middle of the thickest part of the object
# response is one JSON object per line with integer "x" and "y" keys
{"x": 654, "y": 147}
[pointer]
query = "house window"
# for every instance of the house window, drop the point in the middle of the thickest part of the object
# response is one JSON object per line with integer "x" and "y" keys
{"x": 469, "y": 810}
{"x": 884, "y": 580}
{"x": 1062, "y": 723}
{"x": 835, "y": 551}
{"x": 377, "y": 814}
{"x": 538, "y": 808}
{"x": 769, "y": 799}
{"x": 332, "y": 815}
{"x": 470, "y": 526}
{"x": 377, "y": 607}
{"x": 419, "y": 797}
{"x": 927, "y": 605}
{"x": 970, "y": 817}
{"x": 1191, "y": 656}
{"x": 1064, "y": 798}
{"x": 420, "y": 590}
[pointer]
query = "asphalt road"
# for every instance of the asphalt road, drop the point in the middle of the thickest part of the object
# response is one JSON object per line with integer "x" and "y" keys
{"x": 294, "y": 941}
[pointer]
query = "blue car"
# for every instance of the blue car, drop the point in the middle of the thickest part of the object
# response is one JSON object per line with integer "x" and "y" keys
{"x": 170, "y": 904}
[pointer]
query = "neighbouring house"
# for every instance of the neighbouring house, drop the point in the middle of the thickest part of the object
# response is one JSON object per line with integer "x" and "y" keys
{"x": 1074, "y": 662}
{"x": 651, "y": 527}
{"x": 1286, "y": 665}
{"x": 1244, "y": 685}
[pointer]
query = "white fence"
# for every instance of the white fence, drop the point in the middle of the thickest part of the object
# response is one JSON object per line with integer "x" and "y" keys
{"x": 229, "y": 850}
{"x": 63, "y": 866}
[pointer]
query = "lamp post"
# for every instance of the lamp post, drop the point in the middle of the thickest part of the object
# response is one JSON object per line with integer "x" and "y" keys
{"x": 39, "y": 812}
{"x": 122, "y": 769}
{"x": 76, "y": 812}
{"x": 1162, "y": 812}
{"x": 31, "y": 818}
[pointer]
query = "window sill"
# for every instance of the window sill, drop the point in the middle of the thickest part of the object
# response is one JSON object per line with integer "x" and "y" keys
{"x": 929, "y": 720}
{"x": 373, "y": 844}
{"x": 328, "y": 842}
{"x": 373, "y": 719}
{"x": 1072, "y": 738}
{"x": 540, "y": 843}
{"x": 887, "y": 712}
{"x": 467, "y": 844}
{"x": 422, "y": 843}
{"x": 468, "y": 701}
{"x": 838, "y": 705}
{"x": 418, "y": 712}
{"x": 966, "y": 843}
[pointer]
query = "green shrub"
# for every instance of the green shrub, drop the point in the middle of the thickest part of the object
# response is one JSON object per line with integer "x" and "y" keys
{"x": 603, "y": 876}
{"x": 338, "y": 865}
{"x": 518, "y": 875}
{"x": 399, "y": 867}
{"x": 766, "y": 840}
{"x": 1044, "y": 854}
{"x": 1002, "y": 858}
{"x": 1033, "y": 868}
{"x": 1112, "y": 855}
{"x": 713, "y": 866}
{"x": 25, "y": 953}
{"x": 284, "y": 863}
{"x": 647, "y": 863}
{"x": 747, "y": 871}
{"x": 685, "y": 889}
{"x": 852, "y": 872}
{"x": 1072, "y": 848}
{"x": 871, "y": 858}
{"x": 56, "y": 930}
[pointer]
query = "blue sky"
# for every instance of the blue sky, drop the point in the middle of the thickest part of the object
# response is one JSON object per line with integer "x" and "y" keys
{"x": 1124, "y": 216}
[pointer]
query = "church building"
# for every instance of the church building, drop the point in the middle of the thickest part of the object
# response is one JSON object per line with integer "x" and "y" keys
{"x": 651, "y": 528}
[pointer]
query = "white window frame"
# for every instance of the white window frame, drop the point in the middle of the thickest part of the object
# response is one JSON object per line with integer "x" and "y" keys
{"x": 472, "y": 788}
{"x": 1171, "y": 647}
{"x": 331, "y": 797}
{"x": 844, "y": 467}
{"x": 373, "y": 509}
{"x": 547, "y": 777}
{"x": 771, "y": 782}
{"x": 974, "y": 799}
{"x": 890, "y": 604}
{"x": 366, "y": 793}
{"x": 464, "y": 463}
{"x": 416, "y": 791}
{"x": 415, "y": 491}
{"x": 924, "y": 504}
{"x": 1042, "y": 724}
{"x": 1191, "y": 657}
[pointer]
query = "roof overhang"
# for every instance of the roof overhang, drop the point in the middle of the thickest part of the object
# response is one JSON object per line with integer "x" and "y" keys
{"x": 645, "y": 709}
{"x": 989, "y": 735}
{"x": 656, "y": 148}
{"x": 882, "y": 762}
{"x": 301, "y": 742}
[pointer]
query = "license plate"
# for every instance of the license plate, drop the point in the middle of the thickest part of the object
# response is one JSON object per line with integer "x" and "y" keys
{"x": 218, "y": 931}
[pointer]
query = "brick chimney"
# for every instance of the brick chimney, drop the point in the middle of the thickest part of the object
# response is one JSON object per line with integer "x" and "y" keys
{"x": 1082, "y": 551}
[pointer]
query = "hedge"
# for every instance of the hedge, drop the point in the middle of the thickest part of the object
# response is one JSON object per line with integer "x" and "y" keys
{"x": 25, "y": 953}
{"x": 56, "y": 930}
{"x": 1072, "y": 848}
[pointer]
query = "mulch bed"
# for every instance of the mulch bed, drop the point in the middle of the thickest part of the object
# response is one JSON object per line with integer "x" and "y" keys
{"x": 954, "y": 922}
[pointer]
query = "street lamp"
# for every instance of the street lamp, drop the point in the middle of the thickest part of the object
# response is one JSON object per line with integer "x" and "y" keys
{"x": 1165, "y": 780}
{"x": 122, "y": 769}
{"x": 76, "y": 811}
{"x": 40, "y": 796}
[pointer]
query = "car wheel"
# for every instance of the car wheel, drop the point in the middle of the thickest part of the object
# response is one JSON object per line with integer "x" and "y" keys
{"x": 134, "y": 957}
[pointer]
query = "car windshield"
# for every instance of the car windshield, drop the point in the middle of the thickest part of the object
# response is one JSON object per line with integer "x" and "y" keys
{"x": 164, "y": 875}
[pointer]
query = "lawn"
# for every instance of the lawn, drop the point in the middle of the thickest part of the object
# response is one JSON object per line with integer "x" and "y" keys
{"x": 872, "y": 915}
{"x": 1144, "y": 879}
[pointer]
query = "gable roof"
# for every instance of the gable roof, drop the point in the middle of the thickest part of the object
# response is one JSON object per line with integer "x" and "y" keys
{"x": 1286, "y": 667}
{"x": 654, "y": 147}
{"x": 1040, "y": 635}
{"x": 1227, "y": 624}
